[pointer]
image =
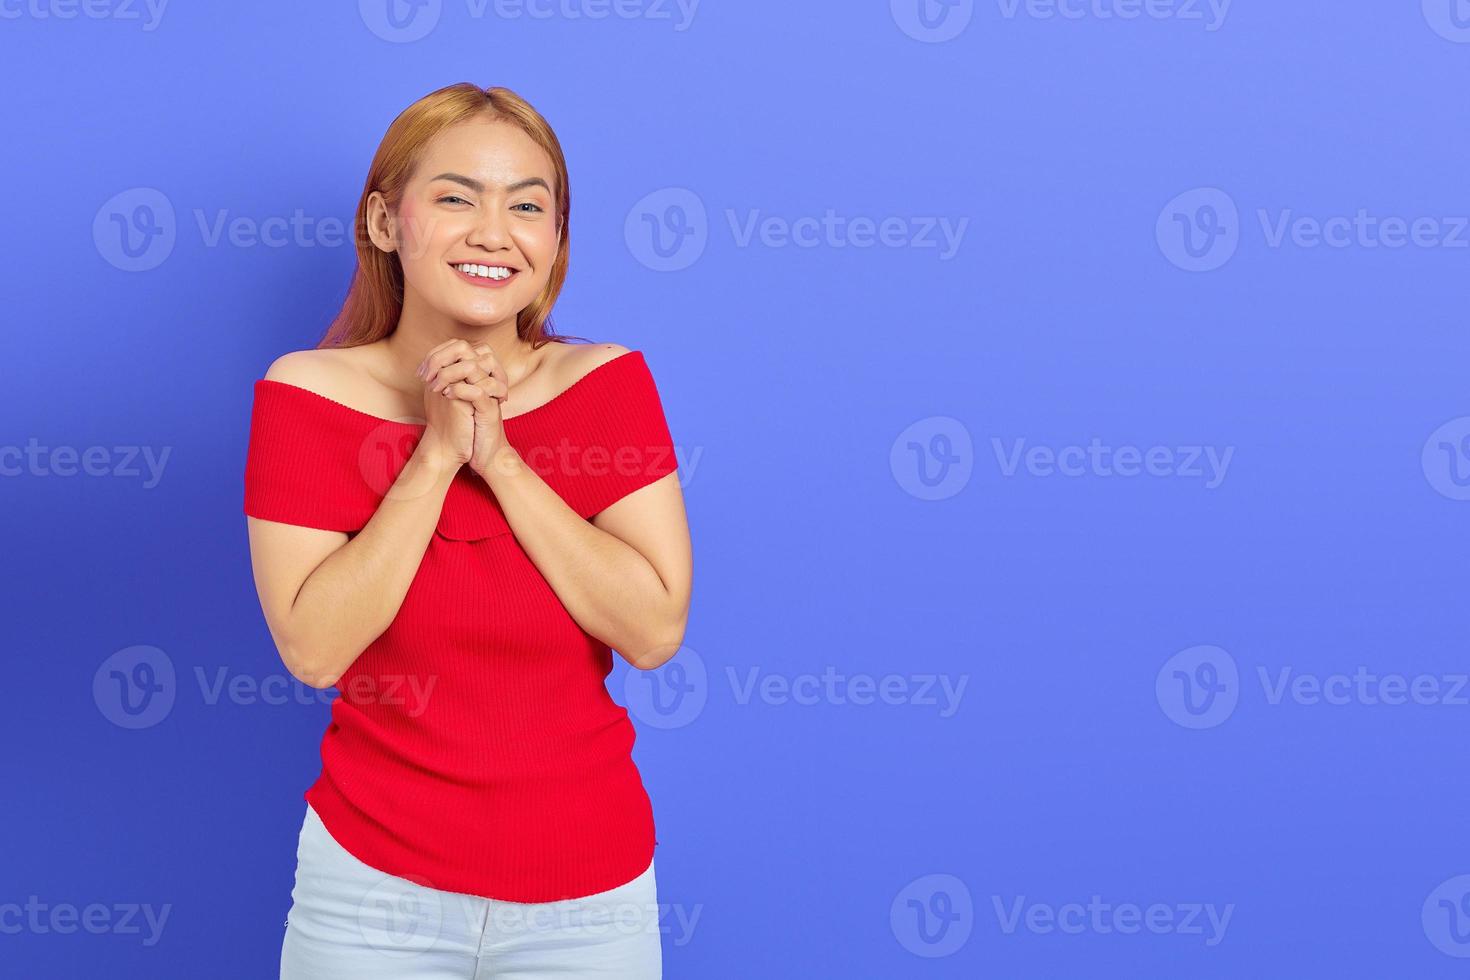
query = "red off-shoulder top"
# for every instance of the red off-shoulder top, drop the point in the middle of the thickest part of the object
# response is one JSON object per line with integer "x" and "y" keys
{"x": 474, "y": 746}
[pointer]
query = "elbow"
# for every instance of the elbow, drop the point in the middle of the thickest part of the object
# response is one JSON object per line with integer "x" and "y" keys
{"x": 663, "y": 648}
{"x": 321, "y": 681}
{"x": 310, "y": 671}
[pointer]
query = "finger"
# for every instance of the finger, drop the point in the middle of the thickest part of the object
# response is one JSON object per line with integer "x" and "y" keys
{"x": 489, "y": 362}
{"x": 468, "y": 371}
{"x": 483, "y": 403}
{"x": 446, "y": 353}
{"x": 482, "y": 394}
{"x": 487, "y": 387}
{"x": 492, "y": 389}
{"x": 423, "y": 367}
{"x": 461, "y": 391}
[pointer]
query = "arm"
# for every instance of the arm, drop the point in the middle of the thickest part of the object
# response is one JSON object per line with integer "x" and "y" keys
{"x": 625, "y": 576}
{"x": 327, "y": 595}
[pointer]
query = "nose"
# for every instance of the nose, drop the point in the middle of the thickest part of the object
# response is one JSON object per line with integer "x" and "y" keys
{"x": 490, "y": 229}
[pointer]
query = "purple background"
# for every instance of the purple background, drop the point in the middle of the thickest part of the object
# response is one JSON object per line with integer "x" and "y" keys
{"x": 813, "y": 390}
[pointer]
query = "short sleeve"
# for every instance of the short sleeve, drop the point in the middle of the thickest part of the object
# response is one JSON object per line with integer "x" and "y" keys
{"x": 310, "y": 463}
{"x": 614, "y": 438}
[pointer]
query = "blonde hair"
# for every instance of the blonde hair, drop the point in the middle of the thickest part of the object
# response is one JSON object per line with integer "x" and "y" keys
{"x": 374, "y": 300}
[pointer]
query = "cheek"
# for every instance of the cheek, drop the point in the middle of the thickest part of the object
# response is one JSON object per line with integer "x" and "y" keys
{"x": 539, "y": 243}
{"x": 418, "y": 232}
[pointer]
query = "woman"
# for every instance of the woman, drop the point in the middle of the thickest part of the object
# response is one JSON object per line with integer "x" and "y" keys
{"x": 455, "y": 516}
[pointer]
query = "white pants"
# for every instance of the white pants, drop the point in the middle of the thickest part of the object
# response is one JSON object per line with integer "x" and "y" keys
{"x": 349, "y": 921}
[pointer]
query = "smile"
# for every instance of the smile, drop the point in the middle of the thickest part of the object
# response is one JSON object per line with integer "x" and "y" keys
{"x": 485, "y": 275}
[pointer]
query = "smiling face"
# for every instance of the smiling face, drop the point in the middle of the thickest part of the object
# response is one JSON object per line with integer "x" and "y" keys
{"x": 479, "y": 201}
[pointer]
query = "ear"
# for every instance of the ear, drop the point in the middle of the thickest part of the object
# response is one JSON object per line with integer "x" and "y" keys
{"x": 381, "y": 226}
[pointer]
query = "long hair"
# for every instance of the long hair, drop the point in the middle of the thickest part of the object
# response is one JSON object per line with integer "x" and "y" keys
{"x": 374, "y": 300}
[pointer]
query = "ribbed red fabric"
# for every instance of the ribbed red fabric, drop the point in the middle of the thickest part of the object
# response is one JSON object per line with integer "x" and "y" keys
{"x": 474, "y": 747}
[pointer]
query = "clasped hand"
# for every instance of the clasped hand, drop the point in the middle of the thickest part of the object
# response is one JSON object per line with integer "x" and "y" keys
{"x": 464, "y": 385}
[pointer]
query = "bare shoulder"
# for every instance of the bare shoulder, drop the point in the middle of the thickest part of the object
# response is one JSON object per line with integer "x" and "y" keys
{"x": 578, "y": 359}
{"x": 316, "y": 369}
{"x": 341, "y": 374}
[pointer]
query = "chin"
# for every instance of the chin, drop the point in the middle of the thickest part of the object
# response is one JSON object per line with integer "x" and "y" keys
{"x": 480, "y": 317}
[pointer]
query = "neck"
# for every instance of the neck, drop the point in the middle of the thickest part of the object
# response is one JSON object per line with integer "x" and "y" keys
{"x": 421, "y": 328}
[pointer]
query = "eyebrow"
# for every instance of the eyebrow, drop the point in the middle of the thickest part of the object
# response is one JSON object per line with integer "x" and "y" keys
{"x": 479, "y": 187}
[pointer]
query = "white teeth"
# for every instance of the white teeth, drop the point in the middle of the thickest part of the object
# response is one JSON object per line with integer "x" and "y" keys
{"x": 485, "y": 271}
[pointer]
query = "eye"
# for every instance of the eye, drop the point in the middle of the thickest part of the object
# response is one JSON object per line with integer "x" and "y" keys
{"x": 528, "y": 204}
{"x": 451, "y": 197}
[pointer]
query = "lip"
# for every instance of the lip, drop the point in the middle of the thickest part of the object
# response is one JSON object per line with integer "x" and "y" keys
{"x": 485, "y": 283}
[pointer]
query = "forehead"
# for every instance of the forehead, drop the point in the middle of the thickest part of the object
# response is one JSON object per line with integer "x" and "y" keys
{"x": 493, "y": 151}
